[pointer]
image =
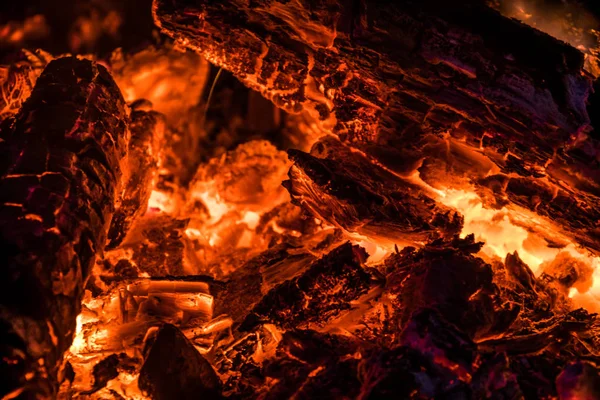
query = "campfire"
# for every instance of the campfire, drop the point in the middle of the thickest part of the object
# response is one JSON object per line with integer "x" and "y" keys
{"x": 299, "y": 199}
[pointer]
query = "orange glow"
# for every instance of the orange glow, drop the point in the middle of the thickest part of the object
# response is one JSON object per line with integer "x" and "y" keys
{"x": 161, "y": 202}
{"x": 507, "y": 230}
{"x": 171, "y": 80}
{"x": 104, "y": 327}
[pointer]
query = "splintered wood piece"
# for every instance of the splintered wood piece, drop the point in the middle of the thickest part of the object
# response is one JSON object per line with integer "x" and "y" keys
{"x": 59, "y": 175}
{"x": 146, "y": 286}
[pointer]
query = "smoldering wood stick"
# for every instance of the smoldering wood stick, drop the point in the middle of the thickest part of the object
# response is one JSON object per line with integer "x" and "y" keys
{"x": 374, "y": 62}
{"x": 59, "y": 175}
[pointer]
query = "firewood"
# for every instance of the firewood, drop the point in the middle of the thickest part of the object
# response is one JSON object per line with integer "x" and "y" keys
{"x": 418, "y": 77}
{"x": 59, "y": 175}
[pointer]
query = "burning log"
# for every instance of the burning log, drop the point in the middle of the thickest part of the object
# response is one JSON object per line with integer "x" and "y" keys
{"x": 59, "y": 177}
{"x": 416, "y": 76}
{"x": 344, "y": 188}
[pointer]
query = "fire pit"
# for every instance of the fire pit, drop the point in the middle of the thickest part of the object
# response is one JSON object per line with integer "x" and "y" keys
{"x": 299, "y": 199}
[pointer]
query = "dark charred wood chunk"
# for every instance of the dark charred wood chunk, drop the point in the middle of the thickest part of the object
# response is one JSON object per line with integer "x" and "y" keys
{"x": 444, "y": 275}
{"x": 322, "y": 291}
{"x": 348, "y": 190}
{"x": 579, "y": 380}
{"x": 174, "y": 369}
{"x": 59, "y": 176}
{"x": 103, "y": 372}
{"x": 433, "y": 360}
{"x": 309, "y": 364}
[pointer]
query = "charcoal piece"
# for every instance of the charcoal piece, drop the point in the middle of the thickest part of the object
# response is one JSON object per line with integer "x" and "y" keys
{"x": 59, "y": 175}
{"x": 569, "y": 272}
{"x": 432, "y": 360}
{"x": 405, "y": 373}
{"x": 239, "y": 364}
{"x": 348, "y": 190}
{"x": 520, "y": 272}
{"x": 446, "y": 276}
{"x": 315, "y": 348}
{"x": 321, "y": 292}
{"x": 542, "y": 334}
{"x": 431, "y": 335}
{"x": 103, "y": 372}
{"x": 395, "y": 373}
{"x": 309, "y": 364}
{"x": 334, "y": 380}
{"x": 429, "y": 78}
{"x": 174, "y": 369}
{"x": 536, "y": 374}
{"x": 147, "y": 130}
{"x": 535, "y": 300}
{"x": 495, "y": 379}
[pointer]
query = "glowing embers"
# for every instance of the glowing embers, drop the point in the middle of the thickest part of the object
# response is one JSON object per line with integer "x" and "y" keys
{"x": 172, "y": 80}
{"x": 112, "y": 331}
{"x": 538, "y": 243}
{"x": 228, "y": 197}
{"x": 161, "y": 202}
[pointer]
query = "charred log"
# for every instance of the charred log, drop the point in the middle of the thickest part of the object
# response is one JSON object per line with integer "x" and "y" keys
{"x": 346, "y": 189}
{"x": 59, "y": 177}
{"x": 416, "y": 76}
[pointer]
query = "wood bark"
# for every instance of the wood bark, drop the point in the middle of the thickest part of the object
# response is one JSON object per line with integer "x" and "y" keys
{"x": 59, "y": 175}
{"x": 456, "y": 92}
